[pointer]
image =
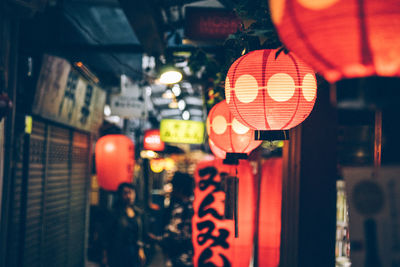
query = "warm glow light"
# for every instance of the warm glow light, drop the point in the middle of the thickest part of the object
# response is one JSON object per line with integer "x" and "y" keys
{"x": 148, "y": 154}
{"x": 227, "y": 133}
{"x": 170, "y": 77}
{"x": 168, "y": 94}
{"x": 115, "y": 160}
{"x": 341, "y": 39}
{"x": 109, "y": 147}
{"x": 266, "y": 91}
{"x": 173, "y": 105}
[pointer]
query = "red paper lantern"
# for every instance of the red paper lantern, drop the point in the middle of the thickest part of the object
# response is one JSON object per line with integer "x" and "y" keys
{"x": 115, "y": 161}
{"x": 270, "y": 213}
{"x": 214, "y": 237}
{"x": 152, "y": 140}
{"x": 341, "y": 38}
{"x": 269, "y": 92}
{"x": 227, "y": 132}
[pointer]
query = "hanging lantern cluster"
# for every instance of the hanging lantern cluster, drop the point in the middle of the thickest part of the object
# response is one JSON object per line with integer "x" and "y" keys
{"x": 270, "y": 90}
{"x": 213, "y": 235}
{"x": 227, "y": 133}
{"x": 115, "y": 161}
{"x": 342, "y": 39}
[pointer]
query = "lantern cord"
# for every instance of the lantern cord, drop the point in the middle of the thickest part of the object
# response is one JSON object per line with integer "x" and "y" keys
{"x": 377, "y": 142}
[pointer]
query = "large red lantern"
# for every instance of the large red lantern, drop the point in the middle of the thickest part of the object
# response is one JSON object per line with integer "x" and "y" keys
{"x": 115, "y": 160}
{"x": 213, "y": 236}
{"x": 270, "y": 91}
{"x": 342, "y": 38}
{"x": 270, "y": 213}
{"x": 227, "y": 133}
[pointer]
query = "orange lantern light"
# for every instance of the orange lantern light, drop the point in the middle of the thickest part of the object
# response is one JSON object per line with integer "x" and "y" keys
{"x": 152, "y": 140}
{"x": 157, "y": 165}
{"x": 227, "y": 133}
{"x": 342, "y": 39}
{"x": 266, "y": 91}
{"x": 213, "y": 236}
{"x": 270, "y": 213}
{"x": 115, "y": 160}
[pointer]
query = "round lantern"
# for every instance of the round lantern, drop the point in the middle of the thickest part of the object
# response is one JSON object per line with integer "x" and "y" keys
{"x": 340, "y": 38}
{"x": 270, "y": 213}
{"x": 115, "y": 160}
{"x": 152, "y": 140}
{"x": 266, "y": 91}
{"x": 213, "y": 236}
{"x": 227, "y": 133}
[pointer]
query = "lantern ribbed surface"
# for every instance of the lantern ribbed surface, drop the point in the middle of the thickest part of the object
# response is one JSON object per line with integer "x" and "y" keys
{"x": 265, "y": 92}
{"x": 227, "y": 133}
{"x": 342, "y": 38}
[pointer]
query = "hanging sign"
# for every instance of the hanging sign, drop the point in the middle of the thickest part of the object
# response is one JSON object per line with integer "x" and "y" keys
{"x": 206, "y": 24}
{"x": 374, "y": 221}
{"x": 62, "y": 95}
{"x": 181, "y": 131}
{"x": 128, "y": 104}
{"x": 213, "y": 236}
{"x": 152, "y": 140}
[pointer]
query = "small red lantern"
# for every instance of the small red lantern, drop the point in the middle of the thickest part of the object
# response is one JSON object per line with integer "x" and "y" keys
{"x": 152, "y": 140}
{"x": 115, "y": 160}
{"x": 270, "y": 91}
{"x": 213, "y": 236}
{"x": 227, "y": 133}
{"x": 340, "y": 38}
{"x": 270, "y": 213}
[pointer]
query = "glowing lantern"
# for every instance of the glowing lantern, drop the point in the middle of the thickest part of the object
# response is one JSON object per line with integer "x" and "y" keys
{"x": 152, "y": 140}
{"x": 227, "y": 133}
{"x": 342, "y": 39}
{"x": 213, "y": 236}
{"x": 269, "y": 92}
{"x": 115, "y": 160}
{"x": 157, "y": 165}
{"x": 270, "y": 213}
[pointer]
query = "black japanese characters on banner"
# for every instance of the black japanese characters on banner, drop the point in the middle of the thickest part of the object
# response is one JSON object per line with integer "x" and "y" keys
{"x": 213, "y": 236}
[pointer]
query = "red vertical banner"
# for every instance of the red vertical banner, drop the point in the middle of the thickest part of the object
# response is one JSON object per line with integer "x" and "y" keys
{"x": 213, "y": 236}
{"x": 270, "y": 213}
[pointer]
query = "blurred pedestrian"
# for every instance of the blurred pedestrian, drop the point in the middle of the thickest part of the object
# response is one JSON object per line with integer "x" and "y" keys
{"x": 123, "y": 242}
{"x": 177, "y": 238}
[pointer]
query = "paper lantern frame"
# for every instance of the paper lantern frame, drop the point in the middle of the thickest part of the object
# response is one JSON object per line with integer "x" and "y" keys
{"x": 270, "y": 90}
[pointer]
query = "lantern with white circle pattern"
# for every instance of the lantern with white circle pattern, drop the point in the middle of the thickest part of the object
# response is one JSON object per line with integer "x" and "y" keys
{"x": 227, "y": 133}
{"x": 342, "y": 39}
{"x": 267, "y": 90}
